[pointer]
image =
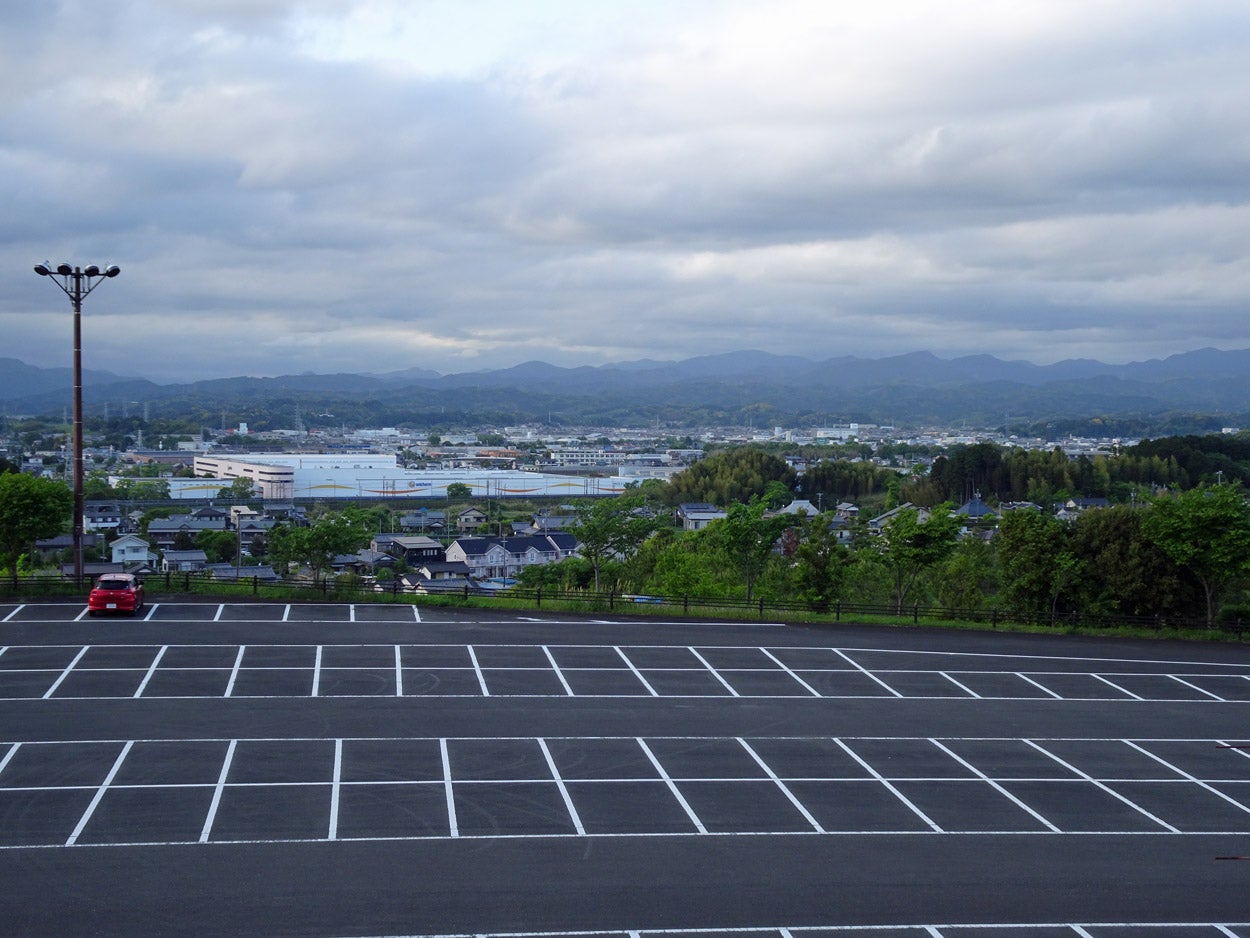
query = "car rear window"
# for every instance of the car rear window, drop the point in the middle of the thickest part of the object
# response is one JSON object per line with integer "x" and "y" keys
{"x": 113, "y": 585}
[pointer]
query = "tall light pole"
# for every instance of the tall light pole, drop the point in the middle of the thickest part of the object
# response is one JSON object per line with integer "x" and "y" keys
{"x": 76, "y": 283}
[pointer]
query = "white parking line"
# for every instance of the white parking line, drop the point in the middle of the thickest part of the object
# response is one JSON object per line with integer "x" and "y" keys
{"x": 1197, "y": 688}
{"x": 564, "y": 792}
{"x": 638, "y": 674}
{"x": 716, "y": 674}
{"x": 399, "y": 673}
{"x": 1110, "y": 791}
{"x": 64, "y": 674}
{"x": 1117, "y": 687}
{"x": 477, "y": 668}
{"x": 448, "y": 789}
{"x": 14, "y": 612}
{"x": 560, "y": 674}
{"x": 9, "y": 755}
{"x": 335, "y": 786}
{"x": 316, "y": 684}
{"x": 1042, "y": 687}
{"x": 859, "y": 667}
{"x": 893, "y": 790}
{"x": 99, "y": 794}
{"x": 1197, "y": 781}
{"x": 963, "y": 687}
{"x": 997, "y": 787}
{"x": 234, "y": 672}
{"x": 220, "y": 610}
{"x": 151, "y": 670}
{"x": 813, "y": 691}
{"x": 807, "y": 816}
{"x": 221, "y": 785}
{"x": 672, "y": 786}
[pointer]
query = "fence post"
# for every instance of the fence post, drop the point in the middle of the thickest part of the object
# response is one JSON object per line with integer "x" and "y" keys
{"x": 915, "y": 614}
{"x": 837, "y": 611}
{"x": 538, "y": 598}
{"x": 255, "y": 585}
{"x": 685, "y": 604}
{"x": 611, "y": 599}
{"x": 466, "y": 591}
{"x": 186, "y": 582}
{"x": 167, "y": 581}
{"x": 993, "y": 618}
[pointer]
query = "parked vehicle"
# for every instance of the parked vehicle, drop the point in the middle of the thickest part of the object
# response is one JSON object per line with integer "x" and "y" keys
{"x": 116, "y": 592}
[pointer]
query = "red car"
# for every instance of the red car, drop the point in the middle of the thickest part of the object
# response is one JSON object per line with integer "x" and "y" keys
{"x": 116, "y": 592}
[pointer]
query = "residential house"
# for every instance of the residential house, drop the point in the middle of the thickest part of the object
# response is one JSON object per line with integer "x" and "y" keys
{"x": 879, "y": 522}
{"x": 470, "y": 519}
{"x": 695, "y": 516}
{"x": 210, "y": 513}
{"x": 47, "y": 548}
{"x": 416, "y": 550}
{"x": 253, "y": 528}
{"x": 228, "y": 571}
{"x": 798, "y": 507}
{"x": 162, "y": 532}
{"x": 1075, "y": 507}
{"x": 423, "y": 521}
{"x": 183, "y": 561}
{"x": 102, "y": 516}
{"x": 130, "y": 549}
{"x": 488, "y": 557}
{"x": 974, "y": 513}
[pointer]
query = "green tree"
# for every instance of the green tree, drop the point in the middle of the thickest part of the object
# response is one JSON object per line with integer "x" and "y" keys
{"x": 909, "y": 546}
{"x": 820, "y": 561}
{"x": 142, "y": 489}
{"x": 967, "y": 581}
{"x": 1207, "y": 532}
{"x": 1036, "y": 560}
{"x": 747, "y": 537}
{"x": 219, "y": 546}
{"x": 456, "y": 490}
{"x": 726, "y": 478}
{"x": 237, "y": 490}
{"x": 30, "y": 508}
{"x": 317, "y": 545}
{"x": 609, "y": 529}
{"x": 1125, "y": 573}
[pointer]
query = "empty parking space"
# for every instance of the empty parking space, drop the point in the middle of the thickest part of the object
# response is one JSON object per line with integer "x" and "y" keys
{"x": 348, "y": 668}
{"x": 376, "y": 765}
{"x": 293, "y": 789}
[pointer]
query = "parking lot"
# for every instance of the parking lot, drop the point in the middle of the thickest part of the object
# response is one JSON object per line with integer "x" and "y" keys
{"x": 340, "y": 770}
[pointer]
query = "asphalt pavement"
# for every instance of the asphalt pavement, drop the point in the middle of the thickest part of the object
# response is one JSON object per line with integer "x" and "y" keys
{"x": 217, "y": 769}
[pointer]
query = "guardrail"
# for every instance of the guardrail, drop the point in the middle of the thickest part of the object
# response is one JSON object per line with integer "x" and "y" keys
{"x": 580, "y": 600}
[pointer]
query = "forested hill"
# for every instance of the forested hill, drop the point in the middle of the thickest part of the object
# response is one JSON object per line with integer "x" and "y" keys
{"x": 1190, "y": 392}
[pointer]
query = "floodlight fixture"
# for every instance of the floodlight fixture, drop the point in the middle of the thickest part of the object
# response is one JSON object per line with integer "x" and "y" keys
{"x": 76, "y": 283}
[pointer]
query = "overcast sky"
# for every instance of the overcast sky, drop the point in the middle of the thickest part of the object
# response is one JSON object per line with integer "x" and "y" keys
{"x": 372, "y": 185}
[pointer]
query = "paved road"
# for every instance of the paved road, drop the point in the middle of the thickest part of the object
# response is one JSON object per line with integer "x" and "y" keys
{"x": 338, "y": 770}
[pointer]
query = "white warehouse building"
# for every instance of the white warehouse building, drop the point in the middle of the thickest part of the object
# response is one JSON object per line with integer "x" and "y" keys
{"x": 285, "y": 476}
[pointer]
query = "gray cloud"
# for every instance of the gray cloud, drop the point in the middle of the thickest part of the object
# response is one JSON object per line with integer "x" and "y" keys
{"x": 377, "y": 185}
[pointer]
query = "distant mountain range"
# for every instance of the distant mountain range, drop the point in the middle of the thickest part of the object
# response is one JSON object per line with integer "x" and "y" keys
{"x": 743, "y": 388}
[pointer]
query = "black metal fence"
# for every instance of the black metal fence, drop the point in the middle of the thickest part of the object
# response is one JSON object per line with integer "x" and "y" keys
{"x": 351, "y": 590}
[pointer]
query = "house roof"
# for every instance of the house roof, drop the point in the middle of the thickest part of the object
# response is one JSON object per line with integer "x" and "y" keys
{"x": 975, "y": 509}
{"x": 191, "y": 555}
